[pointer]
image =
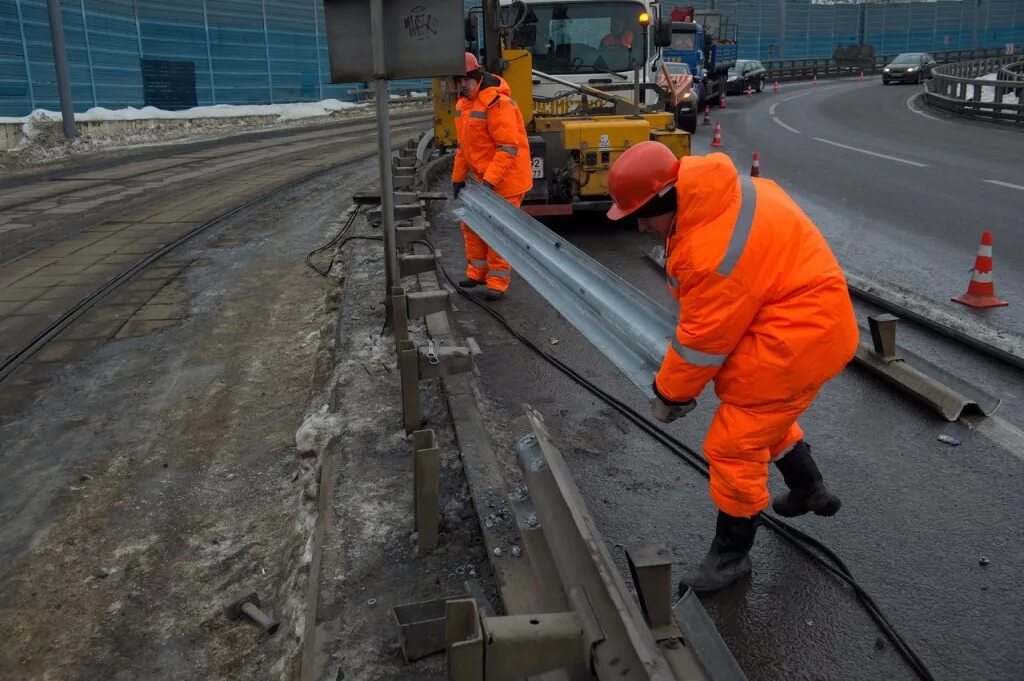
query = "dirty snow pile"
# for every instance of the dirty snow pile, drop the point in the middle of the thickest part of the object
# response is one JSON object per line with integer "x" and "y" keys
{"x": 988, "y": 94}
{"x": 282, "y": 111}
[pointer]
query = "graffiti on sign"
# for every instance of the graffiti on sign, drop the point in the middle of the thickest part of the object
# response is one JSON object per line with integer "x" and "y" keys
{"x": 421, "y": 24}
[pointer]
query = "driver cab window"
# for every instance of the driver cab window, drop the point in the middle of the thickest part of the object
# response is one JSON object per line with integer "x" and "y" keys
{"x": 590, "y": 37}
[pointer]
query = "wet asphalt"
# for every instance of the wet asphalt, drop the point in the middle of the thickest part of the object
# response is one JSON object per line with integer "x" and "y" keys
{"x": 919, "y": 516}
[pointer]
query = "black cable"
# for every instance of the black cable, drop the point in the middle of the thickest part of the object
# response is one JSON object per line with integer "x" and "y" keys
{"x": 334, "y": 241}
{"x": 795, "y": 537}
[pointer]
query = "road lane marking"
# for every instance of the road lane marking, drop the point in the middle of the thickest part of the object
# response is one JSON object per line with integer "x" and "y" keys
{"x": 771, "y": 109}
{"x": 802, "y": 94}
{"x": 1005, "y": 184}
{"x": 998, "y": 430}
{"x": 791, "y": 129}
{"x": 872, "y": 153}
{"x": 918, "y": 111}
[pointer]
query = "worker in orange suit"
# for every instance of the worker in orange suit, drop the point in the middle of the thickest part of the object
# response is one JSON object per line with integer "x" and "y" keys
{"x": 764, "y": 312}
{"x": 493, "y": 146}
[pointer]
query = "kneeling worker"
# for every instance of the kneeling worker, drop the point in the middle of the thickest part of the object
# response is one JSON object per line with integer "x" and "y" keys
{"x": 493, "y": 146}
{"x": 763, "y": 311}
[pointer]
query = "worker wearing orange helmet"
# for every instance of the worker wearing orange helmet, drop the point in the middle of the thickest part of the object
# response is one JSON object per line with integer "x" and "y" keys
{"x": 493, "y": 146}
{"x": 764, "y": 312}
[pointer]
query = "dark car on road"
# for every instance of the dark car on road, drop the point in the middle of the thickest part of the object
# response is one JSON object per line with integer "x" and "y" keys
{"x": 910, "y": 67}
{"x": 747, "y": 73}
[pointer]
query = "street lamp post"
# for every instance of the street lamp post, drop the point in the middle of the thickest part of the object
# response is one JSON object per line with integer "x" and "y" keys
{"x": 645, "y": 20}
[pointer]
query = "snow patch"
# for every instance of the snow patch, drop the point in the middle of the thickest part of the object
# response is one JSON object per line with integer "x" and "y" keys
{"x": 318, "y": 430}
{"x": 282, "y": 111}
{"x": 988, "y": 94}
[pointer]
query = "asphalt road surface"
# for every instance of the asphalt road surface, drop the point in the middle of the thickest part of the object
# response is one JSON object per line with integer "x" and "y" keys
{"x": 902, "y": 192}
{"x": 919, "y": 517}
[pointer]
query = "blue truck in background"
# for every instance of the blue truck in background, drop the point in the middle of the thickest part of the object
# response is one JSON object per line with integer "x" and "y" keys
{"x": 707, "y": 44}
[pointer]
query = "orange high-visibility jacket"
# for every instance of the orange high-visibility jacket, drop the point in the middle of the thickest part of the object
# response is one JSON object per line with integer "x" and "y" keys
{"x": 492, "y": 139}
{"x": 763, "y": 304}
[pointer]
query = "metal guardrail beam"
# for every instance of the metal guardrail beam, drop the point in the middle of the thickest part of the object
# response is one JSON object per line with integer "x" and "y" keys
{"x": 959, "y": 88}
{"x": 624, "y": 324}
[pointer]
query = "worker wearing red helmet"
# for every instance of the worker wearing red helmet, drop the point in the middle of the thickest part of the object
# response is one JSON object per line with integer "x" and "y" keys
{"x": 494, "y": 147}
{"x": 764, "y": 312}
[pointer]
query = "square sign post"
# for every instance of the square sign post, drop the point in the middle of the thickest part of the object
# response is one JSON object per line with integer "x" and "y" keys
{"x": 406, "y": 39}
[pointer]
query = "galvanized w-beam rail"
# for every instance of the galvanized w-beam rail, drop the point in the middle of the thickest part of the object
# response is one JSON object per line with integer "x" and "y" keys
{"x": 591, "y": 620}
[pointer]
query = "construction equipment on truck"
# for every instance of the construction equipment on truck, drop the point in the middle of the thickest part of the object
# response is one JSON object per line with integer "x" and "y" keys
{"x": 583, "y": 74}
{"x": 706, "y": 42}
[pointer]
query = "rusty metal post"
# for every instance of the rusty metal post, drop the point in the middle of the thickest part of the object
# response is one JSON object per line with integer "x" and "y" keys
{"x": 464, "y": 643}
{"x": 408, "y": 366}
{"x": 883, "y": 336}
{"x": 398, "y": 314}
{"x": 425, "y": 488}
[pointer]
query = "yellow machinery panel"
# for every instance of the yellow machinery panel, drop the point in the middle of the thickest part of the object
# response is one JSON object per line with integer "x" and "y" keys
{"x": 519, "y": 76}
{"x": 445, "y": 95}
{"x": 598, "y": 142}
{"x": 678, "y": 142}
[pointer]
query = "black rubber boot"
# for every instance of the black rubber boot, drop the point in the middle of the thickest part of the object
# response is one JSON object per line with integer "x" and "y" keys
{"x": 494, "y": 294}
{"x": 469, "y": 283}
{"x": 807, "y": 493}
{"x": 727, "y": 559}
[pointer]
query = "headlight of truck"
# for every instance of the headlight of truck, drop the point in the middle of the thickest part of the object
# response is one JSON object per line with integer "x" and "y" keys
{"x": 885, "y": 70}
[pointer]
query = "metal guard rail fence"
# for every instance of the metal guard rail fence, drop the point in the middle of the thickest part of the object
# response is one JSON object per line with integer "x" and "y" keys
{"x": 804, "y": 69}
{"x": 959, "y": 88}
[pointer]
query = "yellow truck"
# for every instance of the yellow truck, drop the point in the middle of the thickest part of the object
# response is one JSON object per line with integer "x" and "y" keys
{"x": 582, "y": 73}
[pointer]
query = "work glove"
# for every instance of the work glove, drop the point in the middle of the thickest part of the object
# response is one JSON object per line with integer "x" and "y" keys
{"x": 457, "y": 187}
{"x": 666, "y": 410}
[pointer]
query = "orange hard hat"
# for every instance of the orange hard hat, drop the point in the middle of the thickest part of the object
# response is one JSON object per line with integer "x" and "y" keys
{"x": 472, "y": 63}
{"x": 642, "y": 173}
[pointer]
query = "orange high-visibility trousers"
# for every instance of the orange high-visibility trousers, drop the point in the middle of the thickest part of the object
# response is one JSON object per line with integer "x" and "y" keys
{"x": 483, "y": 263}
{"x": 740, "y": 444}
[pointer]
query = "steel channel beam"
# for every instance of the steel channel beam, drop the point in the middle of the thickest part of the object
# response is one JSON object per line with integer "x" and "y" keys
{"x": 624, "y": 324}
{"x": 425, "y": 488}
{"x": 628, "y": 649}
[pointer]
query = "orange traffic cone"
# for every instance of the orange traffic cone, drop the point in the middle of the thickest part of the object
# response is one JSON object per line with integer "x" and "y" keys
{"x": 755, "y": 167}
{"x": 861, "y": 76}
{"x": 750, "y": 91}
{"x": 721, "y": 99}
{"x": 717, "y": 141}
{"x": 707, "y": 115}
{"x": 775, "y": 88}
{"x": 981, "y": 291}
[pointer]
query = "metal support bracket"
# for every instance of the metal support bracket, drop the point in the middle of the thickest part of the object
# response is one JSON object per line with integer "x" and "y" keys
{"x": 436, "y": 361}
{"x": 407, "y": 235}
{"x": 425, "y": 488}
{"x": 519, "y": 646}
{"x": 408, "y": 265}
{"x": 883, "y": 336}
{"x": 651, "y": 568}
{"x": 423, "y": 303}
{"x": 408, "y": 211}
{"x": 464, "y": 641}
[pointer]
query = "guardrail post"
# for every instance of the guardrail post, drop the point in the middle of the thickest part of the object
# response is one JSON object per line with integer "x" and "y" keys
{"x": 408, "y": 366}
{"x": 883, "y": 336}
{"x": 464, "y": 649}
{"x": 398, "y": 315}
{"x": 425, "y": 488}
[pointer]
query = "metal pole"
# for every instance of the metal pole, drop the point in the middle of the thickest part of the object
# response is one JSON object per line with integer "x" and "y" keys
{"x": 387, "y": 184}
{"x": 60, "y": 61}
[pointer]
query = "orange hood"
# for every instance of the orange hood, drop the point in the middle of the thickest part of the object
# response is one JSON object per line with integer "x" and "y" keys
{"x": 706, "y": 187}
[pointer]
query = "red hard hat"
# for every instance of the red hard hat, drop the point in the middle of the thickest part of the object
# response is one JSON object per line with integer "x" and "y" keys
{"x": 639, "y": 175}
{"x": 472, "y": 63}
